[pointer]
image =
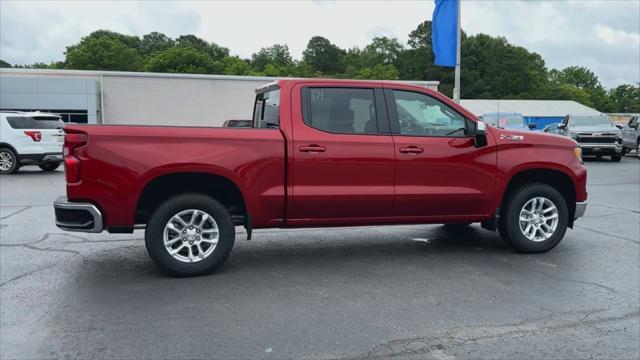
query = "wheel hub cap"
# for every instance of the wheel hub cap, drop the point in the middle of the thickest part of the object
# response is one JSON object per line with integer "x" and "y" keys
{"x": 538, "y": 219}
{"x": 191, "y": 236}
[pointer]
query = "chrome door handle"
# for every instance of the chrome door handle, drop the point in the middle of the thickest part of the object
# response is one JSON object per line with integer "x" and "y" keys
{"x": 411, "y": 150}
{"x": 312, "y": 148}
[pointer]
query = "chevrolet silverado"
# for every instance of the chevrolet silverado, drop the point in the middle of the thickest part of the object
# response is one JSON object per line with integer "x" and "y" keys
{"x": 320, "y": 153}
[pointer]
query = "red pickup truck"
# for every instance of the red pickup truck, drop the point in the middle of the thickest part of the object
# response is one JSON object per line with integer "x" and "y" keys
{"x": 320, "y": 153}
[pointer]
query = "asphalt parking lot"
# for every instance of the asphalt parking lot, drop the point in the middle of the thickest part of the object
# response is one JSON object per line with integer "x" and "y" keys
{"x": 406, "y": 291}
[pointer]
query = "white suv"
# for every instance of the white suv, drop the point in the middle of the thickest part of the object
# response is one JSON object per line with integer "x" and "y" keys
{"x": 30, "y": 138}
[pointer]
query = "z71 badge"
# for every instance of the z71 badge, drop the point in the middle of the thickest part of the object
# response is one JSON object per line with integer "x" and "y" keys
{"x": 511, "y": 137}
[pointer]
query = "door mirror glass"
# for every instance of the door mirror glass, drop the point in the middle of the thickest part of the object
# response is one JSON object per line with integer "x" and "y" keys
{"x": 480, "y": 137}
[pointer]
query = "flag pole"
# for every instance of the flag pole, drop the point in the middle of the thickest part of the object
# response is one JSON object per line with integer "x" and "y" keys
{"x": 456, "y": 88}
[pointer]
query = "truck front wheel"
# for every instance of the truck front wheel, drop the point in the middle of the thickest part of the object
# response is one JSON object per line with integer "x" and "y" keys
{"x": 189, "y": 235}
{"x": 534, "y": 219}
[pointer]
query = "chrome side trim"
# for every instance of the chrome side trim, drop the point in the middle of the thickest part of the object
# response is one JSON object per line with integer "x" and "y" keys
{"x": 63, "y": 203}
{"x": 581, "y": 207}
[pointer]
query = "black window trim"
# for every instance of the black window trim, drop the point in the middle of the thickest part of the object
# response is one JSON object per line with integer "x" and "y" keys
{"x": 395, "y": 123}
{"x": 382, "y": 116}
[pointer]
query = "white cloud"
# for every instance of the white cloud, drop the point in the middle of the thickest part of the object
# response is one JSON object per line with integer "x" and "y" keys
{"x": 596, "y": 34}
{"x": 618, "y": 37}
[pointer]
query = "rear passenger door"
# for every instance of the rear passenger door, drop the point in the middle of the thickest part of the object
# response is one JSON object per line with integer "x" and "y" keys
{"x": 342, "y": 156}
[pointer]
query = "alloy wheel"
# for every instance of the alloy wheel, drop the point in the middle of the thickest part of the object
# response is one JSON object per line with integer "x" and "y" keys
{"x": 191, "y": 236}
{"x": 6, "y": 160}
{"x": 538, "y": 219}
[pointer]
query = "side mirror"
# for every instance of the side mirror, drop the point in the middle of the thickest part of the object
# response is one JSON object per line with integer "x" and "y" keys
{"x": 619, "y": 126}
{"x": 480, "y": 134}
{"x": 533, "y": 126}
{"x": 634, "y": 125}
{"x": 561, "y": 126}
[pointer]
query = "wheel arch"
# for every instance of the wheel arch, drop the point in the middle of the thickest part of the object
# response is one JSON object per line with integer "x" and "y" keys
{"x": 164, "y": 185}
{"x": 8, "y": 146}
{"x": 557, "y": 178}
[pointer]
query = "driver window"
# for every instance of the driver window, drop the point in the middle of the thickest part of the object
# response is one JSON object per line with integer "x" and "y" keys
{"x": 422, "y": 115}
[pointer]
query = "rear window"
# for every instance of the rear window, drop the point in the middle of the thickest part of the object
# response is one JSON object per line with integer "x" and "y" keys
{"x": 36, "y": 122}
{"x": 266, "y": 112}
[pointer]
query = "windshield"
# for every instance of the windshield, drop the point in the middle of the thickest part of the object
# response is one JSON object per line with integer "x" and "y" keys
{"x": 36, "y": 122}
{"x": 266, "y": 112}
{"x": 591, "y": 121}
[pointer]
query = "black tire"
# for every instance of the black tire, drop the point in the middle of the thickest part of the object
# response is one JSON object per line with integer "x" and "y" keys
{"x": 9, "y": 158}
{"x": 161, "y": 216}
{"x": 616, "y": 158}
{"x": 509, "y": 225}
{"x": 51, "y": 166}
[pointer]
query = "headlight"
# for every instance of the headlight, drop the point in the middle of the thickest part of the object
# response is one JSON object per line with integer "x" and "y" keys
{"x": 618, "y": 136}
{"x": 578, "y": 152}
{"x": 574, "y": 136}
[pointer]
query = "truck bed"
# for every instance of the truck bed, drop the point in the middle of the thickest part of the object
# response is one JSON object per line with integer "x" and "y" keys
{"x": 120, "y": 161}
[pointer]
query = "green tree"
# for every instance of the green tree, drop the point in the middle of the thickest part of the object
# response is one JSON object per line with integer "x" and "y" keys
{"x": 129, "y": 41}
{"x": 215, "y": 51}
{"x": 378, "y": 72}
{"x": 584, "y": 79}
{"x": 102, "y": 53}
{"x": 323, "y": 56}
{"x": 383, "y": 50}
{"x": 233, "y": 65}
{"x": 183, "y": 59}
{"x": 625, "y": 99}
{"x": 493, "y": 68}
{"x": 155, "y": 41}
{"x": 277, "y": 55}
{"x": 4, "y": 64}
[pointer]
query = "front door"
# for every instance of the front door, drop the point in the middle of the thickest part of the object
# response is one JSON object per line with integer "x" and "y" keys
{"x": 343, "y": 154}
{"x": 439, "y": 171}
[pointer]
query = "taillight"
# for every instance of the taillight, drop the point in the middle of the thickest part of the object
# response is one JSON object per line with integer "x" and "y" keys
{"x": 72, "y": 169}
{"x": 34, "y": 135}
{"x": 71, "y": 161}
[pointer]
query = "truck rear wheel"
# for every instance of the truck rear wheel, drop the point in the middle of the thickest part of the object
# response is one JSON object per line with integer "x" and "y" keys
{"x": 189, "y": 235}
{"x": 534, "y": 219}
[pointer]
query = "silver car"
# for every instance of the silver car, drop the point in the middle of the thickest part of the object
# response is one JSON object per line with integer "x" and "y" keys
{"x": 595, "y": 134}
{"x": 631, "y": 136}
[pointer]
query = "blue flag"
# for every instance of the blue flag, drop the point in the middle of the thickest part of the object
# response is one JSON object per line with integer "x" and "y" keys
{"x": 444, "y": 32}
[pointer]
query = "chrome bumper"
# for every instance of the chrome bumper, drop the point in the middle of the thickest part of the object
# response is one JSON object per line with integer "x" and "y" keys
{"x": 615, "y": 146}
{"x": 581, "y": 207}
{"x": 77, "y": 216}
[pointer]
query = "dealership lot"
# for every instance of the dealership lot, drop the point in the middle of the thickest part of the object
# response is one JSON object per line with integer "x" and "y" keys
{"x": 409, "y": 291}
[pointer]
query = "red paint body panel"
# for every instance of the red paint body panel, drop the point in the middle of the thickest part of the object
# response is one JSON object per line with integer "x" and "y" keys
{"x": 358, "y": 180}
{"x": 118, "y": 161}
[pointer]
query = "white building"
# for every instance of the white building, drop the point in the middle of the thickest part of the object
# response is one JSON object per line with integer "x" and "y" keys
{"x": 112, "y": 97}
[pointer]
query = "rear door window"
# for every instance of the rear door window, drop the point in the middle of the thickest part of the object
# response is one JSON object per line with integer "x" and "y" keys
{"x": 342, "y": 110}
{"x": 36, "y": 122}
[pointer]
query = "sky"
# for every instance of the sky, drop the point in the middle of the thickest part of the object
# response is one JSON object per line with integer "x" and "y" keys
{"x": 601, "y": 35}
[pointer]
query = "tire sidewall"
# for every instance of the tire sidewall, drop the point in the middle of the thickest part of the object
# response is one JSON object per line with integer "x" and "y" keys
{"x": 511, "y": 218}
{"x": 155, "y": 228}
{"x": 15, "y": 165}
